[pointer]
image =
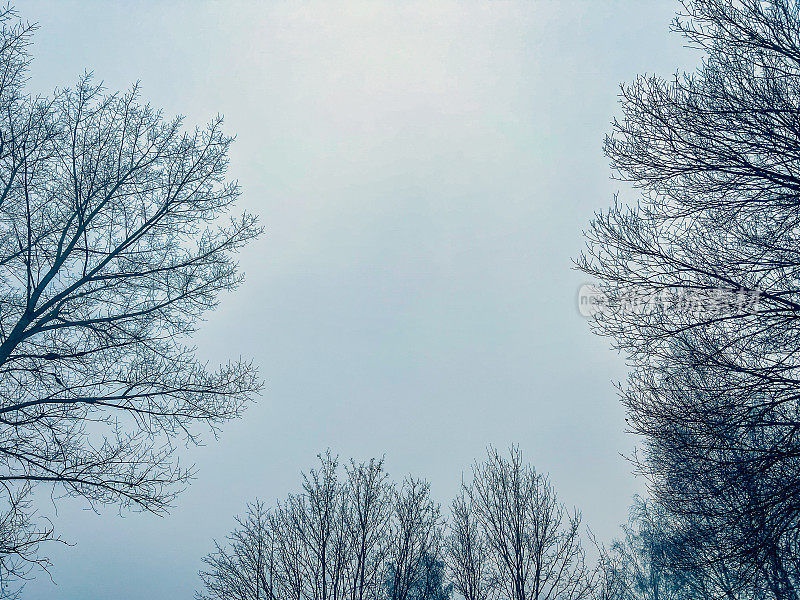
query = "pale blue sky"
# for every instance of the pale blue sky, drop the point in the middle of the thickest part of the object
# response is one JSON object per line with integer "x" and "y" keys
{"x": 424, "y": 170}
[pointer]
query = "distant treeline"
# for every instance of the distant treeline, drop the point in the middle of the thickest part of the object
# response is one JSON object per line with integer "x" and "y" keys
{"x": 353, "y": 533}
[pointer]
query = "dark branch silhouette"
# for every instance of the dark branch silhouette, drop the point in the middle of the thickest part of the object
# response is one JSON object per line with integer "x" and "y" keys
{"x": 114, "y": 240}
{"x": 715, "y": 380}
{"x": 366, "y": 537}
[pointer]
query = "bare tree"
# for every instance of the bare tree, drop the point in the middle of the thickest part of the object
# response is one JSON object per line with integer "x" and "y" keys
{"x": 368, "y": 511}
{"x": 660, "y": 557}
{"x": 328, "y": 542}
{"x": 359, "y": 538}
{"x": 317, "y": 517}
{"x": 715, "y": 380}
{"x": 291, "y": 553}
{"x": 111, "y": 249}
{"x": 611, "y": 582}
{"x": 246, "y": 568}
{"x": 533, "y": 541}
{"x": 21, "y": 534}
{"x": 645, "y": 553}
{"x": 365, "y": 538}
{"x": 415, "y": 537}
{"x": 467, "y": 552}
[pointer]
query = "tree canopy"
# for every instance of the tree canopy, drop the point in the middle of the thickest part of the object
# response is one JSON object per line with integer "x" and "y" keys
{"x": 709, "y": 256}
{"x": 115, "y": 238}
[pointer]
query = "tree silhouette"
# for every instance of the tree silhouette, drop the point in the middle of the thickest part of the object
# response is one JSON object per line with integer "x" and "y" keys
{"x": 508, "y": 529}
{"x": 712, "y": 248}
{"x": 532, "y": 541}
{"x": 113, "y": 243}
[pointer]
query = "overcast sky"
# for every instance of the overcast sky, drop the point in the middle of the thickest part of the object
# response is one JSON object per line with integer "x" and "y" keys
{"x": 424, "y": 171}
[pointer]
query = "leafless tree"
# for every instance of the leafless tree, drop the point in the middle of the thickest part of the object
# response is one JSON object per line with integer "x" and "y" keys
{"x": 467, "y": 552}
{"x": 660, "y": 557}
{"x": 363, "y": 537}
{"x": 611, "y": 583}
{"x": 715, "y": 380}
{"x": 317, "y": 519}
{"x": 111, "y": 248}
{"x": 358, "y": 538}
{"x": 246, "y": 567}
{"x": 644, "y": 556}
{"x": 369, "y": 496}
{"x": 533, "y": 541}
{"x": 21, "y": 534}
{"x": 291, "y": 553}
{"x": 328, "y": 542}
{"x": 415, "y": 538}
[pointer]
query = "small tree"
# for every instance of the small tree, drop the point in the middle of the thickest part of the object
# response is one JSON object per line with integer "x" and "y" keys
{"x": 328, "y": 542}
{"x": 467, "y": 552}
{"x": 358, "y": 538}
{"x": 414, "y": 542}
{"x": 533, "y": 541}
{"x": 645, "y": 554}
{"x": 317, "y": 518}
{"x": 368, "y": 510}
{"x": 246, "y": 567}
{"x": 660, "y": 558}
